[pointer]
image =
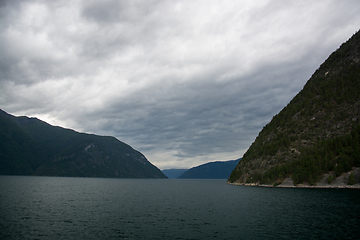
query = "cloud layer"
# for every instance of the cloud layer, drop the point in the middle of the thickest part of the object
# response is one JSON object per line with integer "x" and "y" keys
{"x": 183, "y": 82}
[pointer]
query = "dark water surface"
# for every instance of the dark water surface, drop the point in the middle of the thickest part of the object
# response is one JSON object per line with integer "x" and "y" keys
{"x": 98, "y": 208}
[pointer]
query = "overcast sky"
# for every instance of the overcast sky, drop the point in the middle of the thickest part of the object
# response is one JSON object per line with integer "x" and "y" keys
{"x": 184, "y": 82}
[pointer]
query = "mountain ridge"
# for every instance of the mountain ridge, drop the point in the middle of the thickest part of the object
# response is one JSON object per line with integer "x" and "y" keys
{"x": 211, "y": 170}
{"x": 174, "y": 172}
{"x": 30, "y": 146}
{"x": 317, "y": 133}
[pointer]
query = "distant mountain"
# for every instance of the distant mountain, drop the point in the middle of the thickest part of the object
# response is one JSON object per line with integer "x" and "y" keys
{"x": 211, "y": 170}
{"x": 174, "y": 173}
{"x": 29, "y": 146}
{"x": 317, "y": 135}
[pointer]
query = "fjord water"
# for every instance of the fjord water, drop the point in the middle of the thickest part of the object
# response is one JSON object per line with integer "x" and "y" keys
{"x": 100, "y": 208}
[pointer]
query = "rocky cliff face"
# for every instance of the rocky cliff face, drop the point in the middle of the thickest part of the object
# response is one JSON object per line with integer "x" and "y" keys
{"x": 317, "y": 133}
{"x": 29, "y": 146}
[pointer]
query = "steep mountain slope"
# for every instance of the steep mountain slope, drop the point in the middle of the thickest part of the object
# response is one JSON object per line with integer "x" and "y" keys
{"x": 318, "y": 132}
{"x": 29, "y": 146}
{"x": 211, "y": 170}
{"x": 174, "y": 173}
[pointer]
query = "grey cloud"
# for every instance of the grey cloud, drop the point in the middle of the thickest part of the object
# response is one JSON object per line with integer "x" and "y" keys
{"x": 182, "y": 81}
{"x": 105, "y": 11}
{"x": 112, "y": 11}
{"x": 28, "y": 54}
{"x": 200, "y": 118}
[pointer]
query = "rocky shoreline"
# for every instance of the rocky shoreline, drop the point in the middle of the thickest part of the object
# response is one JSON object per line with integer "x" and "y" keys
{"x": 355, "y": 186}
{"x": 339, "y": 182}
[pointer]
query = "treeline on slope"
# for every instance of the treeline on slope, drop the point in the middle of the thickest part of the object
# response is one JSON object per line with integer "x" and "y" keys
{"x": 317, "y": 132}
{"x": 339, "y": 154}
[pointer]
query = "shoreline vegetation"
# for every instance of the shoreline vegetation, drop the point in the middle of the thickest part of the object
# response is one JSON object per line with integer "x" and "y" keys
{"x": 339, "y": 182}
{"x": 356, "y": 186}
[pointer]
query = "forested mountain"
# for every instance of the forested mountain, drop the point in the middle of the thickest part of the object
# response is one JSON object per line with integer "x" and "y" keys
{"x": 211, "y": 170}
{"x": 317, "y": 133}
{"x": 29, "y": 146}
